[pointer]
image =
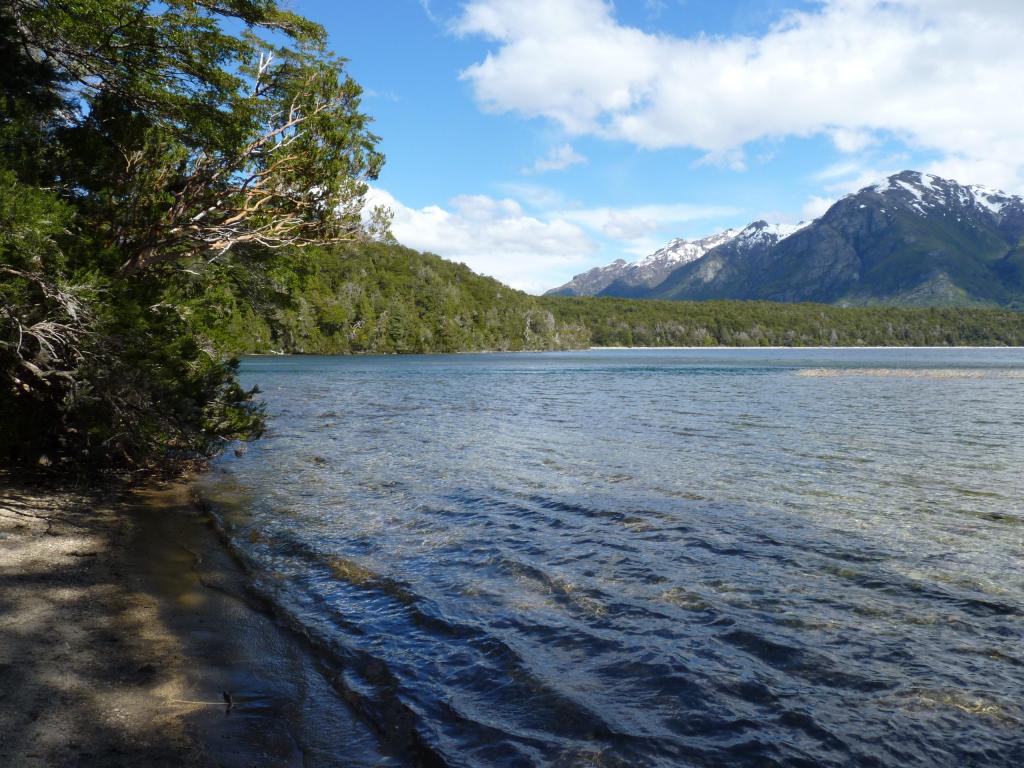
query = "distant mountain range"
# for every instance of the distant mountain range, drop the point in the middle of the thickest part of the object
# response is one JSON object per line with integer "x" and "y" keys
{"x": 913, "y": 239}
{"x": 645, "y": 274}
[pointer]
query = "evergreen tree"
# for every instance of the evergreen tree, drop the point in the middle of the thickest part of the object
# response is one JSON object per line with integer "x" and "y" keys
{"x": 145, "y": 150}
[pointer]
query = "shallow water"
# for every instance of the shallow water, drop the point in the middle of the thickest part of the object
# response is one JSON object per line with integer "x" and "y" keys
{"x": 652, "y": 558}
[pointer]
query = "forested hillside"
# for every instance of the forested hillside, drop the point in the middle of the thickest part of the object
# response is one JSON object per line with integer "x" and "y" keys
{"x": 636, "y": 322}
{"x": 371, "y": 297}
{"x": 377, "y": 298}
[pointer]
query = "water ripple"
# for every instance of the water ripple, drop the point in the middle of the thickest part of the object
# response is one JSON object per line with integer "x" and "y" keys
{"x": 664, "y": 558}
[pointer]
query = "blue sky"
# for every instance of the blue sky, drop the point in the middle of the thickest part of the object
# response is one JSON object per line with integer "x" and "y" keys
{"x": 533, "y": 139}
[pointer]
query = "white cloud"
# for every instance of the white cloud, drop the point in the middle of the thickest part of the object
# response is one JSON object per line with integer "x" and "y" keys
{"x": 734, "y": 159}
{"x": 816, "y": 206}
{"x": 863, "y": 177}
{"x": 558, "y": 159}
{"x": 536, "y": 195}
{"x": 941, "y": 75}
{"x": 852, "y": 140}
{"x": 493, "y": 237}
{"x": 642, "y": 221}
{"x": 839, "y": 170}
{"x": 425, "y": 5}
{"x": 496, "y": 237}
{"x": 642, "y": 246}
{"x": 849, "y": 176}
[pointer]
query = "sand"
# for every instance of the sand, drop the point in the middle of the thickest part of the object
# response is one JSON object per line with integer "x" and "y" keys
{"x": 124, "y": 620}
{"x": 87, "y": 669}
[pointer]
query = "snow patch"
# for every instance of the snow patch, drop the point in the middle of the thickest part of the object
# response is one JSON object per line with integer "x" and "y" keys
{"x": 928, "y": 192}
{"x": 760, "y": 232}
{"x": 679, "y": 251}
{"x": 915, "y": 191}
{"x": 994, "y": 201}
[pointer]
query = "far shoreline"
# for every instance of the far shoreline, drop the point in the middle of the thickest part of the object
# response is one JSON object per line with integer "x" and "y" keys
{"x": 617, "y": 348}
{"x": 886, "y": 346}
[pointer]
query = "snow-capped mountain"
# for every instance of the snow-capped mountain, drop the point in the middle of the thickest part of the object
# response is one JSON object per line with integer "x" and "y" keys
{"x": 752, "y": 243}
{"x": 679, "y": 252}
{"x": 591, "y": 282}
{"x": 644, "y": 273}
{"x": 761, "y": 233}
{"x": 924, "y": 193}
{"x": 912, "y": 239}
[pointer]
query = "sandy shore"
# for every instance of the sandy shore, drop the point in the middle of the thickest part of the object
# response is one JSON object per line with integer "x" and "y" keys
{"x": 123, "y": 621}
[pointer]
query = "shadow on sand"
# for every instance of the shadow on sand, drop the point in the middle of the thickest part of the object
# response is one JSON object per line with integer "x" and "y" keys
{"x": 123, "y": 622}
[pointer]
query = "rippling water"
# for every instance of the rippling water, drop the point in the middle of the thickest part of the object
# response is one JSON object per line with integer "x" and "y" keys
{"x": 652, "y": 558}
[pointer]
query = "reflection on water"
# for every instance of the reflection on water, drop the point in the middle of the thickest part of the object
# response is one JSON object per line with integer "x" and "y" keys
{"x": 653, "y": 558}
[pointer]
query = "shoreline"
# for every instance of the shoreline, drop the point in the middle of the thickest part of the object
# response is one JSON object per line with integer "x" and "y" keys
{"x": 729, "y": 346}
{"x": 630, "y": 349}
{"x": 123, "y": 621}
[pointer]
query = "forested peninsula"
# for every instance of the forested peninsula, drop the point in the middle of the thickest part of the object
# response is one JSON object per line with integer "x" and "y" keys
{"x": 379, "y": 298}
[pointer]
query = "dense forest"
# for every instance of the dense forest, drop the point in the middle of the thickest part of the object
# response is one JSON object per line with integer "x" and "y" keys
{"x": 378, "y": 298}
{"x": 371, "y": 297}
{"x": 636, "y": 322}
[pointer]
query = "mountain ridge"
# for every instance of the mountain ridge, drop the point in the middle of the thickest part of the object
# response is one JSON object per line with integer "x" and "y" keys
{"x": 912, "y": 239}
{"x": 648, "y": 271}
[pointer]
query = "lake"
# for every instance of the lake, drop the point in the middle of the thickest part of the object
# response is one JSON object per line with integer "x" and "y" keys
{"x": 794, "y": 557}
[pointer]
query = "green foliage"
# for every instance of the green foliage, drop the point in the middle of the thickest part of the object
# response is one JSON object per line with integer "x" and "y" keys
{"x": 31, "y": 220}
{"x": 388, "y": 299}
{"x": 370, "y": 297}
{"x": 173, "y": 193}
{"x": 146, "y": 147}
{"x": 179, "y": 139}
{"x": 625, "y": 322}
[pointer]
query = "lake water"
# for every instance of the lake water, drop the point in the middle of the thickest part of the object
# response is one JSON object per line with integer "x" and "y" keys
{"x": 651, "y": 558}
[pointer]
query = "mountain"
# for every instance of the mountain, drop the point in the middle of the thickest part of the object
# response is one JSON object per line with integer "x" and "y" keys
{"x": 622, "y": 278}
{"x": 912, "y": 239}
{"x": 725, "y": 265}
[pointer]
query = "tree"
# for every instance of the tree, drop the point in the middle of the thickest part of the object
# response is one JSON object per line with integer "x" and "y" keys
{"x": 146, "y": 141}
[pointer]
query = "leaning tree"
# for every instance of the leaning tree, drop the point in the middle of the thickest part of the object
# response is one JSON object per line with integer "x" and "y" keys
{"x": 141, "y": 142}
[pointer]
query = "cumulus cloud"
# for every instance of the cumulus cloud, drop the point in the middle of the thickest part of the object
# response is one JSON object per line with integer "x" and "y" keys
{"x": 852, "y": 141}
{"x": 496, "y": 237}
{"x": 493, "y": 237}
{"x": 816, "y": 206}
{"x": 941, "y": 75}
{"x": 558, "y": 159}
{"x": 638, "y": 223}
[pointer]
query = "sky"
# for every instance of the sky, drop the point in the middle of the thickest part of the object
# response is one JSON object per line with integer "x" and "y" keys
{"x": 535, "y": 139}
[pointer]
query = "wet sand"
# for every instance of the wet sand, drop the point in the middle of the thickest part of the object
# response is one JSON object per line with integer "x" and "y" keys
{"x": 124, "y": 621}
